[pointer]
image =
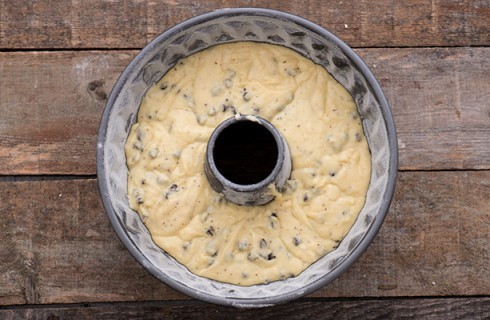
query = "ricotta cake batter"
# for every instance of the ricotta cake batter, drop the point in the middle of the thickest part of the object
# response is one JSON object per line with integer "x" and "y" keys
{"x": 215, "y": 238}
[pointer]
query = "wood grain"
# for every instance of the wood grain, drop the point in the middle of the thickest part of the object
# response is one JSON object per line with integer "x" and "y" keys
{"x": 132, "y": 24}
{"x": 440, "y": 103}
{"x": 58, "y": 245}
{"x": 322, "y": 309}
{"x": 51, "y": 103}
{"x": 60, "y": 258}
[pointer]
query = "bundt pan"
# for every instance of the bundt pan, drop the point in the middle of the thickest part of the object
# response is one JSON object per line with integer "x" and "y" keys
{"x": 231, "y": 25}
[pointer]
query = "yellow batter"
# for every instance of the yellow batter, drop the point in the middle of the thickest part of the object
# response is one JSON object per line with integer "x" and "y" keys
{"x": 211, "y": 236}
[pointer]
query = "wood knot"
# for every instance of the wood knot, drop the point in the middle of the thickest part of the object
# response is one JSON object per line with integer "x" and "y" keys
{"x": 96, "y": 87}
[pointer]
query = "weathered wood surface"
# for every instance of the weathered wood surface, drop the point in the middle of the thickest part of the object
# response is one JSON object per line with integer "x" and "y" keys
{"x": 440, "y": 100}
{"x": 132, "y": 24}
{"x": 430, "y": 259}
{"x": 51, "y": 104}
{"x": 321, "y": 309}
{"x": 58, "y": 245}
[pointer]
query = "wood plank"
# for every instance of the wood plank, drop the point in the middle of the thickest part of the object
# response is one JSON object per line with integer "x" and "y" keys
{"x": 131, "y": 24}
{"x": 417, "y": 308}
{"x": 440, "y": 103}
{"x": 59, "y": 247}
{"x": 51, "y": 103}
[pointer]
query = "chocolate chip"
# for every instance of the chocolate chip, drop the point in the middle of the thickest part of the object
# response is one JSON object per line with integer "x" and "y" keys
{"x": 171, "y": 190}
{"x": 247, "y": 96}
{"x": 273, "y": 220}
{"x": 138, "y": 146}
{"x": 296, "y": 241}
{"x": 358, "y": 137}
{"x": 229, "y": 107}
{"x": 263, "y": 244}
{"x": 210, "y": 231}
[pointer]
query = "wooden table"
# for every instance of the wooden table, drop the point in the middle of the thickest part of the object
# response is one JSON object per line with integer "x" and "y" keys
{"x": 60, "y": 258}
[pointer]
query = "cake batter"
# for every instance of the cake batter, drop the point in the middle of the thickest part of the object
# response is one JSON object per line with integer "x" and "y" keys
{"x": 215, "y": 238}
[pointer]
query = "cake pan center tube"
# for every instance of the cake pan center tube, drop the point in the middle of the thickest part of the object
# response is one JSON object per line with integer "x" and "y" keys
{"x": 247, "y": 160}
